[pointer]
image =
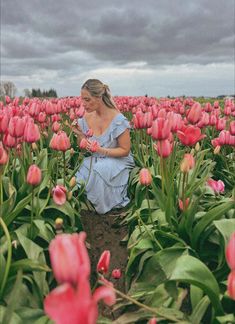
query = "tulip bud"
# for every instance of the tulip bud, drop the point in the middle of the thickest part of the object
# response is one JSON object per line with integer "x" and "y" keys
{"x": 69, "y": 195}
{"x": 34, "y": 175}
{"x": 152, "y": 321}
{"x": 230, "y": 252}
{"x": 217, "y": 149}
{"x": 14, "y": 243}
{"x": 72, "y": 182}
{"x": 187, "y": 163}
{"x": 34, "y": 146}
{"x": 59, "y": 225}
{"x": 72, "y": 151}
{"x": 104, "y": 261}
{"x": 197, "y": 147}
{"x": 116, "y": 274}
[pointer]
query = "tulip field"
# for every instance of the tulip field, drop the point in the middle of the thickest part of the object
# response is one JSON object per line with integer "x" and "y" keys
{"x": 180, "y": 220}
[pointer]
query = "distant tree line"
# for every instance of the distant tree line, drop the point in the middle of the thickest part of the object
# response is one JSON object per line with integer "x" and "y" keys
{"x": 8, "y": 88}
{"x": 40, "y": 93}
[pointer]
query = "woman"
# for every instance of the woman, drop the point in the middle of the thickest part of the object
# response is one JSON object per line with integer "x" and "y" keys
{"x": 106, "y": 171}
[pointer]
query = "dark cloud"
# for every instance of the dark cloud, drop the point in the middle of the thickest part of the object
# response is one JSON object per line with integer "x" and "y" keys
{"x": 74, "y": 35}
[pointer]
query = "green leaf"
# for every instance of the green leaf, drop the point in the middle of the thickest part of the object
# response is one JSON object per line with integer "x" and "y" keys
{"x": 191, "y": 270}
{"x": 28, "y": 265}
{"x": 226, "y": 227}
{"x": 200, "y": 310}
{"x": 9, "y": 217}
{"x": 213, "y": 214}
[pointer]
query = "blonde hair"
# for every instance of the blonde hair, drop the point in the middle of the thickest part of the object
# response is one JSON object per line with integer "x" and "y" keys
{"x": 98, "y": 89}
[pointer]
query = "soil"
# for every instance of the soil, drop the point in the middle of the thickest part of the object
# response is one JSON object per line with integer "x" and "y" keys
{"x": 104, "y": 232}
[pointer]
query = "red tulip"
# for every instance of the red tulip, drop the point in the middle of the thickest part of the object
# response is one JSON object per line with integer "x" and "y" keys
{"x": 230, "y": 252}
{"x": 116, "y": 274}
{"x": 231, "y": 284}
{"x": 104, "y": 261}
{"x": 69, "y": 257}
{"x": 145, "y": 177}
{"x": 190, "y": 135}
{"x": 59, "y": 194}
{"x": 34, "y": 175}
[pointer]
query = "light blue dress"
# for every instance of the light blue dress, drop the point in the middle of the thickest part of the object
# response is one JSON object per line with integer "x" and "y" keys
{"x": 106, "y": 186}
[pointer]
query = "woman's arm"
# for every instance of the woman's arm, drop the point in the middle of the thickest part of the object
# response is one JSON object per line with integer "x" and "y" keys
{"x": 122, "y": 149}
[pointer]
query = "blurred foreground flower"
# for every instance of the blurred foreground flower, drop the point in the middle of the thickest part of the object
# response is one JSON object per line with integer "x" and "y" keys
{"x": 73, "y": 302}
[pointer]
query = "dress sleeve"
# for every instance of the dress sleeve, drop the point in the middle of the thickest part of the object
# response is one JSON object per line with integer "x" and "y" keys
{"x": 120, "y": 126}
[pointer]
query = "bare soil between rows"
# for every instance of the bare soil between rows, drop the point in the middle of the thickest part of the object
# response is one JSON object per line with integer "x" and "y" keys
{"x": 104, "y": 232}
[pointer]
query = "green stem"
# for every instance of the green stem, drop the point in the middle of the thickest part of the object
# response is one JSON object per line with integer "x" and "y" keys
{"x": 32, "y": 210}
{"x": 9, "y": 254}
{"x": 136, "y": 302}
{"x": 149, "y": 233}
{"x": 64, "y": 166}
{"x": 149, "y": 208}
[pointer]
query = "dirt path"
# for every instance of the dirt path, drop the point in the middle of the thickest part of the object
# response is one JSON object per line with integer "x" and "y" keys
{"x": 105, "y": 233}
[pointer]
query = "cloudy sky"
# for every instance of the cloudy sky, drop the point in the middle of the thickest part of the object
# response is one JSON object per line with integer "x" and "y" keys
{"x": 158, "y": 47}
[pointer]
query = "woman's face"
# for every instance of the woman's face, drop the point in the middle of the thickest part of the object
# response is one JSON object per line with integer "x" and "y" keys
{"x": 89, "y": 102}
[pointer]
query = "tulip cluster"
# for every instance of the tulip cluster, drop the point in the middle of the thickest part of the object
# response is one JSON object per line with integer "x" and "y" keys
{"x": 72, "y": 301}
{"x": 230, "y": 257}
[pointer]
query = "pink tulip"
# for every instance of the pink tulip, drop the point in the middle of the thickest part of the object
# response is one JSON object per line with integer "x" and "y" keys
{"x": 3, "y": 155}
{"x": 104, "y": 261}
{"x": 59, "y": 194}
{"x": 232, "y": 127}
{"x": 65, "y": 305}
{"x": 231, "y": 284}
{"x": 89, "y": 132}
{"x": 145, "y": 177}
{"x": 183, "y": 205}
{"x": 164, "y": 148}
{"x": 230, "y": 252}
{"x": 160, "y": 129}
{"x": 31, "y": 132}
{"x": 60, "y": 142}
{"x": 152, "y": 321}
{"x": 69, "y": 257}
{"x": 217, "y": 186}
{"x": 34, "y": 175}
{"x": 83, "y": 144}
{"x": 94, "y": 146}
{"x": 194, "y": 113}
